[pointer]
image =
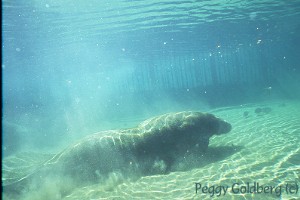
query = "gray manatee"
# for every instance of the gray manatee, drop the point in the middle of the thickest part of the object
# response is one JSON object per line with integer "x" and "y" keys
{"x": 149, "y": 148}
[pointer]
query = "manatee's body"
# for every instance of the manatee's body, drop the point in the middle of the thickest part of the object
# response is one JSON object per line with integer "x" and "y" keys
{"x": 157, "y": 140}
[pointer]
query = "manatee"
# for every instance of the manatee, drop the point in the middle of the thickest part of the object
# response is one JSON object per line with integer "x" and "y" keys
{"x": 149, "y": 148}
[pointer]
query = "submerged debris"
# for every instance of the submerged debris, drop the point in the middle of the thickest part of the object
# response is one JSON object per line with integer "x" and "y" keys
{"x": 264, "y": 110}
{"x": 246, "y": 114}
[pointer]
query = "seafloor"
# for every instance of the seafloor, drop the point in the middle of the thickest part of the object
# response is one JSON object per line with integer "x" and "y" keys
{"x": 263, "y": 148}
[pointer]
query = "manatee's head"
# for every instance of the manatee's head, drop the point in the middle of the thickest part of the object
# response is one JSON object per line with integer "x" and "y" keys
{"x": 180, "y": 131}
{"x": 205, "y": 124}
{"x": 183, "y": 127}
{"x": 223, "y": 126}
{"x": 187, "y": 129}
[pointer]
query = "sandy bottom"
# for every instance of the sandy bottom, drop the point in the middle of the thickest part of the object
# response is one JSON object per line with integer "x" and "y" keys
{"x": 262, "y": 149}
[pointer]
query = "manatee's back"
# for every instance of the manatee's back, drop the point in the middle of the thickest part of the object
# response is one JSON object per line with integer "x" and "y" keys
{"x": 96, "y": 155}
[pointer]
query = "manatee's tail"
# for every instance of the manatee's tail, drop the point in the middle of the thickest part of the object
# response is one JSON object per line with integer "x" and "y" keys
{"x": 18, "y": 168}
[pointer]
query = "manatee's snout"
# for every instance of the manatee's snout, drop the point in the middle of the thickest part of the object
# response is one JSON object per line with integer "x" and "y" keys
{"x": 224, "y": 127}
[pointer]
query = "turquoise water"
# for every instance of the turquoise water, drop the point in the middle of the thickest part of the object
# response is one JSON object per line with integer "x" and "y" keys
{"x": 70, "y": 69}
{"x": 261, "y": 149}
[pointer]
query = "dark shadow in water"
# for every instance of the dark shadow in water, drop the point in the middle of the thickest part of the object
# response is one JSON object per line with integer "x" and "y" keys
{"x": 212, "y": 155}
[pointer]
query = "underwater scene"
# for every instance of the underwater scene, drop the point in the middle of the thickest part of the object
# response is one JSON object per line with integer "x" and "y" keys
{"x": 156, "y": 99}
